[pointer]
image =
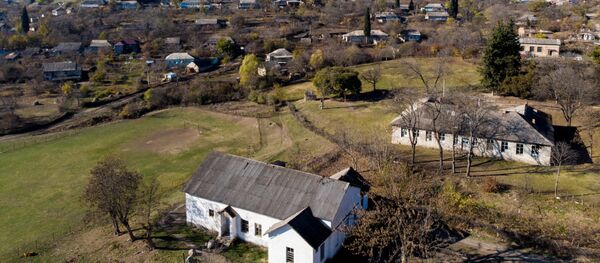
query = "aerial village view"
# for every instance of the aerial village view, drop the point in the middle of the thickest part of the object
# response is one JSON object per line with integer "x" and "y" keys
{"x": 293, "y": 131}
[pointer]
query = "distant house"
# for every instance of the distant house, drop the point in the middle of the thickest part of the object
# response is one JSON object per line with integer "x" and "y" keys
{"x": 127, "y": 46}
{"x": 437, "y": 16}
{"x": 296, "y": 215}
{"x": 410, "y": 35}
{"x": 528, "y": 32}
{"x": 67, "y": 48}
{"x": 178, "y": 60}
{"x": 12, "y": 56}
{"x": 522, "y": 134}
{"x": 92, "y": 3}
{"x": 540, "y": 47}
{"x": 213, "y": 23}
{"x": 404, "y": 9}
{"x": 173, "y": 41}
{"x": 213, "y": 40}
{"x": 433, "y": 7}
{"x": 358, "y": 37}
{"x": 384, "y": 17}
{"x": 61, "y": 71}
{"x": 247, "y": 4}
{"x": 61, "y": 10}
{"x": 98, "y": 45}
{"x": 287, "y": 3}
{"x": 281, "y": 56}
{"x": 127, "y": 5}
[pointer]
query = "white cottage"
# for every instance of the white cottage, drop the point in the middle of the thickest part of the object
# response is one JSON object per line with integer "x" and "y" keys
{"x": 298, "y": 216}
{"x": 522, "y": 134}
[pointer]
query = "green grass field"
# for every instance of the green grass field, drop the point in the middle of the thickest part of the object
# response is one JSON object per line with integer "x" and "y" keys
{"x": 40, "y": 184}
{"x": 363, "y": 119}
{"x": 395, "y": 74}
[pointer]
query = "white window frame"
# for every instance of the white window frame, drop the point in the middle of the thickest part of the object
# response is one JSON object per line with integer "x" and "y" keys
{"x": 257, "y": 229}
{"x": 246, "y": 224}
{"x": 535, "y": 150}
{"x": 289, "y": 255}
{"x": 519, "y": 149}
{"x": 503, "y": 146}
{"x": 428, "y": 136}
{"x": 442, "y": 136}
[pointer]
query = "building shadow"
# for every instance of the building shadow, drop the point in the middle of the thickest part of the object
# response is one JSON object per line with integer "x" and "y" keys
{"x": 571, "y": 135}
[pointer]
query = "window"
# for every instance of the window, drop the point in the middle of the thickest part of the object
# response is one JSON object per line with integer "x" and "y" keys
{"x": 442, "y": 136}
{"x": 539, "y": 49}
{"x": 257, "y": 229}
{"x": 289, "y": 255}
{"x": 465, "y": 142}
{"x": 415, "y": 133}
{"x": 455, "y": 140}
{"x": 489, "y": 145}
{"x": 504, "y": 146}
{"x": 403, "y": 132}
{"x": 428, "y": 135}
{"x": 519, "y": 148}
{"x": 244, "y": 226}
{"x": 535, "y": 150}
{"x": 322, "y": 251}
{"x": 211, "y": 212}
{"x": 531, "y": 49}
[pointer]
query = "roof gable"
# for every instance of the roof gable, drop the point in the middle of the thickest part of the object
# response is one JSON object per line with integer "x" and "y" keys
{"x": 310, "y": 228}
{"x": 265, "y": 189}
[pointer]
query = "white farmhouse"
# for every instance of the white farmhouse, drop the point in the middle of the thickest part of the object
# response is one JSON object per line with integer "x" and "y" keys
{"x": 298, "y": 216}
{"x": 522, "y": 134}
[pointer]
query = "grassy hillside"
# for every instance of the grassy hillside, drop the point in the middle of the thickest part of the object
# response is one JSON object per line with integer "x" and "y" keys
{"x": 395, "y": 74}
{"x": 40, "y": 184}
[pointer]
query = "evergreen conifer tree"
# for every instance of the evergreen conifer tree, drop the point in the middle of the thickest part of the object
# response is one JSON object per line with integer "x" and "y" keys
{"x": 501, "y": 59}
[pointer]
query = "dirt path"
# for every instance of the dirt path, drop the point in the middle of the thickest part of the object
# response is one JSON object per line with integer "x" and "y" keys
{"x": 480, "y": 250}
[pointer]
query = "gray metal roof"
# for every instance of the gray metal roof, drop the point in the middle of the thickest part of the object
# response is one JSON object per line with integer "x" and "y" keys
{"x": 265, "y": 189}
{"x": 353, "y": 177}
{"x": 60, "y": 66}
{"x": 67, "y": 47}
{"x": 310, "y": 228}
{"x": 540, "y": 41}
{"x": 519, "y": 124}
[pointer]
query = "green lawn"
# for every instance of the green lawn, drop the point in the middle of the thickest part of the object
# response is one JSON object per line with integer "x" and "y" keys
{"x": 395, "y": 74}
{"x": 362, "y": 120}
{"x": 40, "y": 184}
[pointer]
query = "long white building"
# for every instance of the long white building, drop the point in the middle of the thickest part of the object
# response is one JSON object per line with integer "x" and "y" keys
{"x": 522, "y": 134}
{"x": 298, "y": 216}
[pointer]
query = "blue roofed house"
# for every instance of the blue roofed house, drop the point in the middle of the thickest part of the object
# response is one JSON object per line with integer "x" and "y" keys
{"x": 178, "y": 60}
{"x": 127, "y": 46}
{"x": 410, "y": 35}
{"x": 247, "y": 4}
{"x": 127, "y": 5}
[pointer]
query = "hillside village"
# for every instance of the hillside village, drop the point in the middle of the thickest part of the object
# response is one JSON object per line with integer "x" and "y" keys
{"x": 300, "y": 131}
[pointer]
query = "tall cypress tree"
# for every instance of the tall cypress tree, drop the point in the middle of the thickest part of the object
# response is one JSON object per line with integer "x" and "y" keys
{"x": 411, "y": 6}
{"x": 367, "y": 28}
{"x": 24, "y": 20}
{"x": 397, "y": 3}
{"x": 453, "y": 10}
{"x": 501, "y": 59}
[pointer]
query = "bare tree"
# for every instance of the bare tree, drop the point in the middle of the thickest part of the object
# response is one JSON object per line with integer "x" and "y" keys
{"x": 406, "y": 102}
{"x": 434, "y": 107}
{"x": 569, "y": 88}
{"x": 590, "y": 124}
{"x": 372, "y": 76}
{"x": 477, "y": 118}
{"x": 112, "y": 189}
{"x": 402, "y": 221}
{"x": 148, "y": 204}
{"x": 561, "y": 154}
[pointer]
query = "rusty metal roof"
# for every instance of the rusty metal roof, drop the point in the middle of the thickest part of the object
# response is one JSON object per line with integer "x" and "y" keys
{"x": 265, "y": 189}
